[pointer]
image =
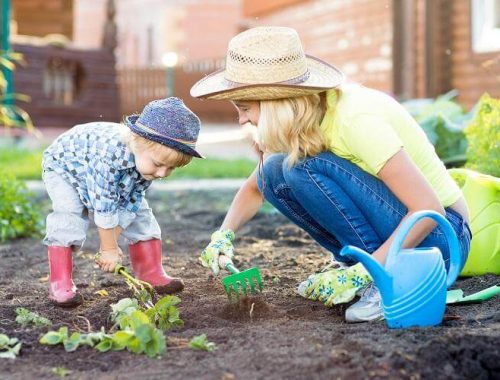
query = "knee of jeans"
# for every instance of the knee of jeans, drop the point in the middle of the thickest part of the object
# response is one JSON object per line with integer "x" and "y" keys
{"x": 292, "y": 174}
{"x": 271, "y": 174}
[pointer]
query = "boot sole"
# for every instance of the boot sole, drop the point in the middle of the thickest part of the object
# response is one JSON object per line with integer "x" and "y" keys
{"x": 75, "y": 301}
{"x": 175, "y": 286}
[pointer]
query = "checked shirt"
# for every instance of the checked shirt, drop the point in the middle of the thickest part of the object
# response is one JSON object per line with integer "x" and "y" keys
{"x": 96, "y": 162}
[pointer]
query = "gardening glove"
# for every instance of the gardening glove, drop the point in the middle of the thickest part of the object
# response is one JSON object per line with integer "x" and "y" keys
{"x": 108, "y": 259}
{"x": 221, "y": 243}
{"x": 336, "y": 285}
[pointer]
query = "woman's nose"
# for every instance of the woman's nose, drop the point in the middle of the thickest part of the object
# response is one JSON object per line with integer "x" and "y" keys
{"x": 242, "y": 119}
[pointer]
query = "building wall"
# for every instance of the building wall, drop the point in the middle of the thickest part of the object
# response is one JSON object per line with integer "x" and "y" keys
{"x": 207, "y": 28}
{"x": 194, "y": 29}
{"x": 354, "y": 35}
{"x": 472, "y": 73}
{"x": 89, "y": 19}
{"x": 42, "y": 17}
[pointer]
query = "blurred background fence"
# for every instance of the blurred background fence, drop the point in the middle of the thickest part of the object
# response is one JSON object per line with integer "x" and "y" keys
{"x": 138, "y": 86}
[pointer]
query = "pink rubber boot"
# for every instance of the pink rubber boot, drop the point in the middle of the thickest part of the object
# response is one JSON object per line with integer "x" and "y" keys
{"x": 62, "y": 290}
{"x": 145, "y": 257}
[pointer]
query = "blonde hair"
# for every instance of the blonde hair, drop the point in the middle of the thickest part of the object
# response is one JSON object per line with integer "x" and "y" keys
{"x": 163, "y": 153}
{"x": 292, "y": 126}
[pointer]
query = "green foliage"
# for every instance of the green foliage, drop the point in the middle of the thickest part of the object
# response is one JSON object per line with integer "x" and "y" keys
{"x": 73, "y": 341}
{"x": 9, "y": 347}
{"x": 483, "y": 153}
{"x": 443, "y": 121}
{"x": 22, "y": 163}
{"x": 10, "y": 114}
{"x": 164, "y": 314}
{"x": 139, "y": 328}
{"x": 19, "y": 215}
{"x": 123, "y": 308}
{"x": 26, "y": 317}
{"x": 201, "y": 342}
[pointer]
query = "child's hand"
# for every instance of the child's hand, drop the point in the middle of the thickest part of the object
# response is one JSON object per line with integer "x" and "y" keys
{"x": 108, "y": 259}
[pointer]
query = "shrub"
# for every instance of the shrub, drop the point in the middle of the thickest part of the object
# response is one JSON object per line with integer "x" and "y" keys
{"x": 483, "y": 135}
{"x": 19, "y": 215}
{"x": 443, "y": 121}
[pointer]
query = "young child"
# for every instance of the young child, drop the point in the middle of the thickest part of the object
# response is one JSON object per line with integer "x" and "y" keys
{"x": 105, "y": 168}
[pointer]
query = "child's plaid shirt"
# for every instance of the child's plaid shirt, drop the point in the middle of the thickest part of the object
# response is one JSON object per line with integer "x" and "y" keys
{"x": 94, "y": 160}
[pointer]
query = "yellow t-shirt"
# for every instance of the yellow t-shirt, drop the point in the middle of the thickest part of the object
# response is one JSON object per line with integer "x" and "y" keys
{"x": 367, "y": 127}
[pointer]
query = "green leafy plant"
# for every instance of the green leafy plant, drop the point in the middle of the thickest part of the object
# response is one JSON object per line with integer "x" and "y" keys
{"x": 10, "y": 114}
{"x": 73, "y": 341}
{"x": 19, "y": 215}
{"x": 201, "y": 342}
{"x": 137, "y": 334}
{"x": 142, "y": 290}
{"x": 165, "y": 314}
{"x": 26, "y": 317}
{"x": 139, "y": 324}
{"x": 443, "y": 121}
{"x": 483, "y": 134}
{"x": 9, "y": 347}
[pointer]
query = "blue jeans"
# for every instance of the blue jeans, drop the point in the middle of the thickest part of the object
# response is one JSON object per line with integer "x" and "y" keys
{"x": 339, "y": 204}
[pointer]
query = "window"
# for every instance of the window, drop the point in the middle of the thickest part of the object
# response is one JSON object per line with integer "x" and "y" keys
{"x": 485, "y": 25}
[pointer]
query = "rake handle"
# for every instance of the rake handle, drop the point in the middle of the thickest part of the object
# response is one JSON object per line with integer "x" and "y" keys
{"x": 227, "y": 264}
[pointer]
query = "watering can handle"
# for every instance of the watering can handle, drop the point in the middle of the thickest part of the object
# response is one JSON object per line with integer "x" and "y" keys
{"x": 455, "y": 257}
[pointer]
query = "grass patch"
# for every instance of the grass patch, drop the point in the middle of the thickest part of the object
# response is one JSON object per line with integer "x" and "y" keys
{"x": 215, "y": 168}
{"x": 22, "y": 163}
{"x": 26, "y": 164}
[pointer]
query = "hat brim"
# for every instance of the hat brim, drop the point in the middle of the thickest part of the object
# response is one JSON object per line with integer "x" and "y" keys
{"x": 132, "y": 119}
{"x": 322, "y": 77}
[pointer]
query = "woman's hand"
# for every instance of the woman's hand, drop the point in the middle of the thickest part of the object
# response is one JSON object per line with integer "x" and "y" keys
{"x": 336, "y": 285}
{"x": 108, "y": 259}
{"x": 221, "y": 243}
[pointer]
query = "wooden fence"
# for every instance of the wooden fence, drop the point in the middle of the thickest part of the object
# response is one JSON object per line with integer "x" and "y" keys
{"x": 67, "y": 86}
{"x": 140, "y": 86}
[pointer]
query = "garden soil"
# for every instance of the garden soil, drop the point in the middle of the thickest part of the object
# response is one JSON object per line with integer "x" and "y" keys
{"x": 275, "y": 335}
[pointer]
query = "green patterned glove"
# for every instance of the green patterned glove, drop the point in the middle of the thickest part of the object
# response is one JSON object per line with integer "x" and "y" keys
{"x": 336, "y": 285}
{"x": 221, "y": 243}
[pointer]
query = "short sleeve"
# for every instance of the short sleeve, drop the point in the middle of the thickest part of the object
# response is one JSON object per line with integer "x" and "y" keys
{"x": 371, "y": 140}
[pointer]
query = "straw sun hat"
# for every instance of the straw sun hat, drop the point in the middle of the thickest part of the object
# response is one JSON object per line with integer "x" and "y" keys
{"x": 267, "y": 63}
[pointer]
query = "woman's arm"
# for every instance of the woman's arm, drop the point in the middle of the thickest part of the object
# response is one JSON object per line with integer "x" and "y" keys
{"x": 245, "y": 205}
{"x": 410, "y": 186}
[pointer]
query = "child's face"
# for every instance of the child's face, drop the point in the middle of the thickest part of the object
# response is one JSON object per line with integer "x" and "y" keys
{"x": 248, "y": 112}
{"x": 152, "y": 165}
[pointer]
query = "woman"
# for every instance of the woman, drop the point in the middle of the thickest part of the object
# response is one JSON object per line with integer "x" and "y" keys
{"x": 346, "y": 163}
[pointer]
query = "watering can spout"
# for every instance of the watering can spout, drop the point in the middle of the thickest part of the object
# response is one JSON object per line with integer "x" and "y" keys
{"x": 382, "y": 279}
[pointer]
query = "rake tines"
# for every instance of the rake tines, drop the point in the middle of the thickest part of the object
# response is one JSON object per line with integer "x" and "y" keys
{"x": 248, "y": 281}
{"x": 240, "y": 283}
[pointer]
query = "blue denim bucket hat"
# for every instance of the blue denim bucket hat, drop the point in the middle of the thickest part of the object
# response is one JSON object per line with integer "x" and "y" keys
{"x": 168, "y": 122}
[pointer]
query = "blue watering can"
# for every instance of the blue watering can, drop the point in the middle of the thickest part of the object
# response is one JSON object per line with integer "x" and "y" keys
{"x": 413, "y": 282}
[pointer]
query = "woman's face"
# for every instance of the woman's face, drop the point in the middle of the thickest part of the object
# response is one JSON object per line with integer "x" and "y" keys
{"x": 248, "y": 111}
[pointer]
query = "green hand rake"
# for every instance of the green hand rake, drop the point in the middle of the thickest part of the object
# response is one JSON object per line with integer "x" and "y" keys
{"x": 238, "y": 283}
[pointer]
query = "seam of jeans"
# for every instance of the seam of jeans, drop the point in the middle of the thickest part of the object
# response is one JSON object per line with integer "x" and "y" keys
{"x": 359, "y": 180}
{"x": 319, "y": 232}
{"x": 340, "y": 211}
